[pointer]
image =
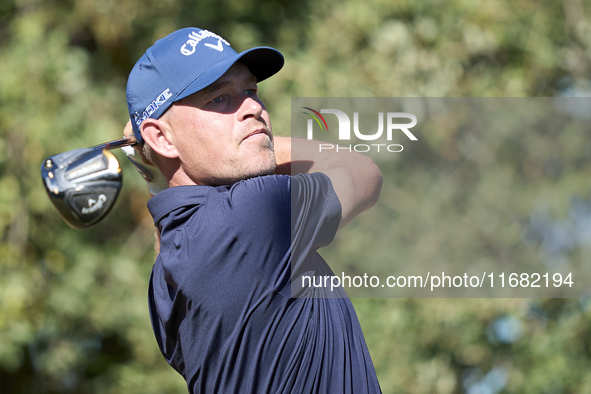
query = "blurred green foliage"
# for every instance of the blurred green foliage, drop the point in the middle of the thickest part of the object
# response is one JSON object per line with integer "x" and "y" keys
{"x": 73, "y": 304}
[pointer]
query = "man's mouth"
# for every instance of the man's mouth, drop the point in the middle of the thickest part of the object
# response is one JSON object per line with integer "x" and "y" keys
{"x": 257, "y": 132}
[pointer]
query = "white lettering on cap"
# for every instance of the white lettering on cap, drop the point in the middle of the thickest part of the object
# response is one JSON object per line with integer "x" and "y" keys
{"x": 188, "y": 47}
{"x": 150, "y": 109}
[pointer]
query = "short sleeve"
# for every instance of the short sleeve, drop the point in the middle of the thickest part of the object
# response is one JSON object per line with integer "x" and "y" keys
{"x": 315, "y": 214}
{"x": 288, "y": 218}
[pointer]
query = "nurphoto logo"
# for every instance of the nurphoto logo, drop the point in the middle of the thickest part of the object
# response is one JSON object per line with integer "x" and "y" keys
{"x": 393, "y": 125}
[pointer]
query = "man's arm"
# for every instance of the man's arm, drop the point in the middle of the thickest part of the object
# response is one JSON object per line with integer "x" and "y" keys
{"x": 356, "y": 179}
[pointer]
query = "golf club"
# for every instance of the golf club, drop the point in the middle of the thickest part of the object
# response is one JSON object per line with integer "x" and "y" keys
{"x": 83, "y": 184}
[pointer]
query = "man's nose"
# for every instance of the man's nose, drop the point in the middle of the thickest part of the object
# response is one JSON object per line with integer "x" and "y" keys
{"x": 250, "y": 108}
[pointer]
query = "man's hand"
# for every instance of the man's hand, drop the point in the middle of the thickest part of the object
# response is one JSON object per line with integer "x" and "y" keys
{"x": 128, "y": 132}
{"x": 148, "y": 171}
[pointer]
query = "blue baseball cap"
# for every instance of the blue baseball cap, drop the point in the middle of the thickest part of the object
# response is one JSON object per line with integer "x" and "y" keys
{"x": 183, "y": 63}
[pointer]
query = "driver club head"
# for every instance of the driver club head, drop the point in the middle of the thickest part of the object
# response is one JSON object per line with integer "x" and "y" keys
{"x": 82, "y": 184}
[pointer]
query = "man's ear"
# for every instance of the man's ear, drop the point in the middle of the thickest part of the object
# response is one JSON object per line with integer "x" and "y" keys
{"x": 157, "y": 134}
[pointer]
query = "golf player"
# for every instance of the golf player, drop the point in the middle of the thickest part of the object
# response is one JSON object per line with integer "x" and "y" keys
{"x": 239, "y": 223}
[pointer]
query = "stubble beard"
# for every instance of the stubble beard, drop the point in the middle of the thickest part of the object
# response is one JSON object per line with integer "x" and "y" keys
{"x": 265, "y": 166}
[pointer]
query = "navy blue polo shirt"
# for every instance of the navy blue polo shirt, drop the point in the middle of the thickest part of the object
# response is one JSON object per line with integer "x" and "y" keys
{"x": 220, "y": 292}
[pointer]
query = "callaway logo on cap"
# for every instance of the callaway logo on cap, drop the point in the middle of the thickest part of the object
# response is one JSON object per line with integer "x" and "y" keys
{"x": 188, "y": 48}
{"x": 183, "y": 63}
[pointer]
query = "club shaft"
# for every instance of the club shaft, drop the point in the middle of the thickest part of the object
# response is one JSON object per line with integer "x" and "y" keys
{"x": 125, "y": 141}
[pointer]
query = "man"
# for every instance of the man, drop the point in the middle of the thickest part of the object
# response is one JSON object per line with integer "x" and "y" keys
{"x": 234, "y": 231}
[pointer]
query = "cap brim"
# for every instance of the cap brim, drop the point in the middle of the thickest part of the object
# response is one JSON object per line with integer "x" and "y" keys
{"x": 262, "y": 62}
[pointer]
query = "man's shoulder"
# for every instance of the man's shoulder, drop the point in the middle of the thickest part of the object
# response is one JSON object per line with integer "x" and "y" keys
{"x": 251, "y": 196}
{"x": 265, "y": 189}
{"x": 259, "y": 183}
{"x": 255, "y": 196}
{"x": 271, "y": 182}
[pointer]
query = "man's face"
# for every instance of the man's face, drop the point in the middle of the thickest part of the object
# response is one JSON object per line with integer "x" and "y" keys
{"x": 223, "y": 132}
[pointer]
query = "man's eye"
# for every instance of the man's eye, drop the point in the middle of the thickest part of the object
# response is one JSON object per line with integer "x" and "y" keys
{"x": 251, "y": 92}
{"x": 217, "y": 100}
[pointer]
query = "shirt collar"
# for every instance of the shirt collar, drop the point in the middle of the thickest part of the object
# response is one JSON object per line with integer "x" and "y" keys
{"x": 176, "y": 197}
